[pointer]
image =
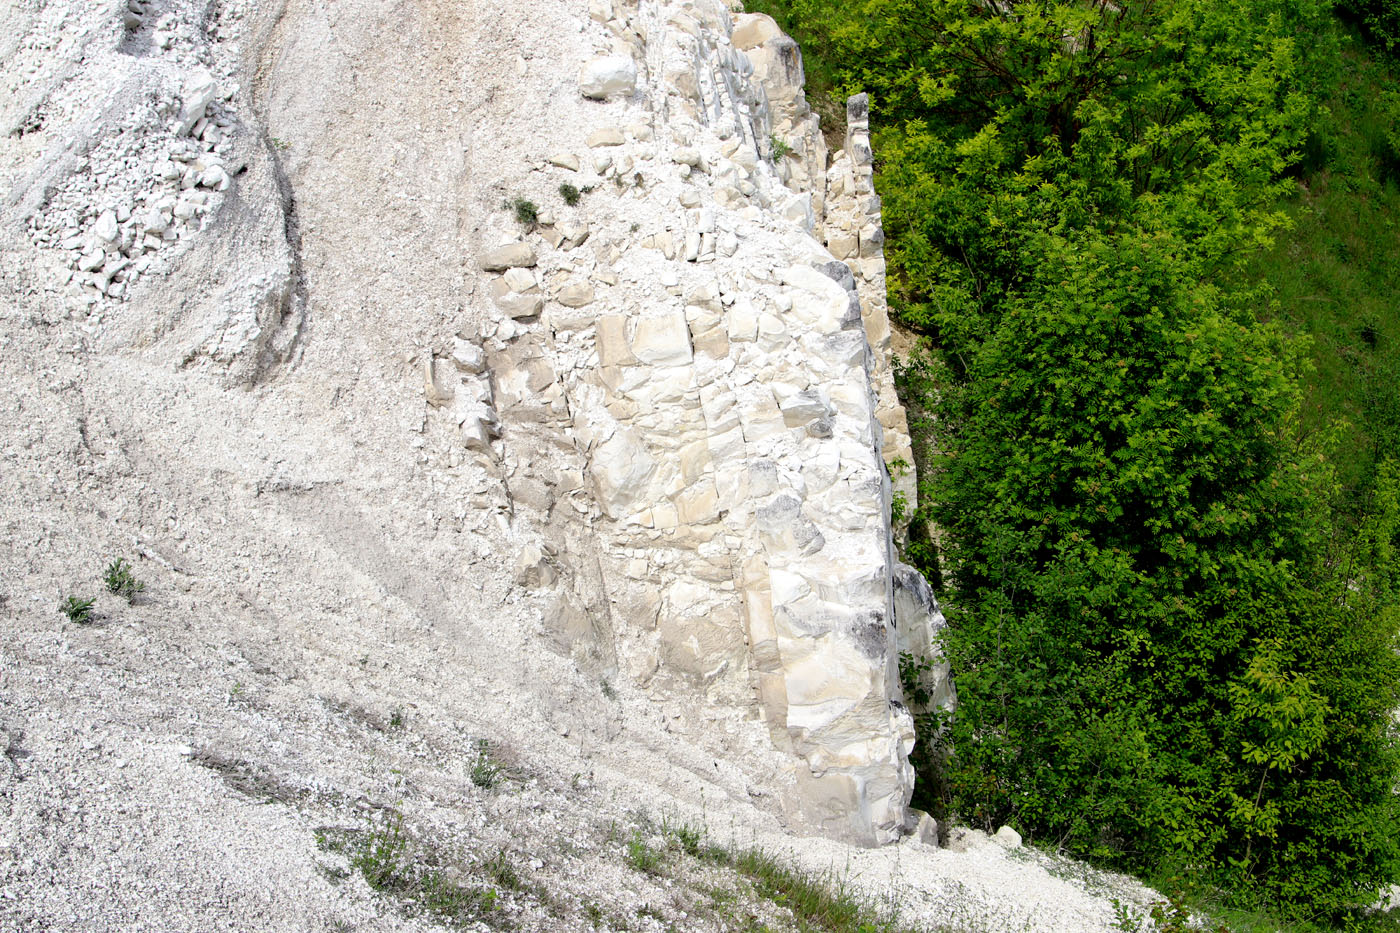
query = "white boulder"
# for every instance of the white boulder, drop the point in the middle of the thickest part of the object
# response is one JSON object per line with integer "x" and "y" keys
{"x": 609, "y": 76}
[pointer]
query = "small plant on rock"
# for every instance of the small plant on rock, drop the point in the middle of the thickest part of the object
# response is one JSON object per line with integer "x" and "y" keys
{"x": 570, "y": 194}
{"x": 526, "y": 212}
{"x": 78, "y": 611}
{"x": 779, "y": 147}
{"x": 120, "y": 580}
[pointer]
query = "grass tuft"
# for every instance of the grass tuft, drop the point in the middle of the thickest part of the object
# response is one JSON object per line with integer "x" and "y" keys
{"x": 384, "y": 857}
{"x": 485, "y": 773}
{"x": 642, "y": 857}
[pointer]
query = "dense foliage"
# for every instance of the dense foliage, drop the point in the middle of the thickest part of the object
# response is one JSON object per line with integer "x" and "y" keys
{"x": 1171, "y": 645}
{"x": 1380, "y": 19}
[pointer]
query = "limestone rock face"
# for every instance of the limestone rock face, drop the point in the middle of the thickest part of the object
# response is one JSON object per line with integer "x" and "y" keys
{"x": 669, "y": 400}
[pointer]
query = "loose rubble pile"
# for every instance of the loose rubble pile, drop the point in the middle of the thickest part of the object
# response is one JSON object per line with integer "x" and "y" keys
{"x": 156, "y": 159}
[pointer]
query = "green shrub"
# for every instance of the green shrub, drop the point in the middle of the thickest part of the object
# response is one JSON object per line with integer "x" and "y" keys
{"x": 1378, "y": 19}
{"x": 1165, "y": 643}
{"x": 120, "y": 580}
{"x": 570, "y": 194}
{"x": 525, "y": 211}
{"x": 78, "y": 611}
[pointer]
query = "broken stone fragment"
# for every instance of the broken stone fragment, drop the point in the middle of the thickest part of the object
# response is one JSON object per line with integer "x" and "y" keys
{"x": 514, "y": 303}
{"x": 199, "y": 91}
{"x": 468, "y": 356}
{"x": 1007, "y": 838}
{"x": 507, "y": 257}
{"x": 925, "y": 828}
{"x": 565, "y": 160}
{"x": 520, "y": 279}
{"x": 573, "y": 234}
{"x": 576, "y": 294}
{"x": 609, "y": 76}
{"x": 478, "y": 426}
{"x": 607, "y": 136}
{"x": 804, "y": 408}
{"x": 783, "y": 527}
{"x": 611, "y": 340}
{"x": 437, "y": 391}
{"x": 534, "y": 567}
{"x": 214, "y": 177}
{"x": 663, "y": 340}
{"x": 752, "y": 30}
{"x": 106, "y": 227}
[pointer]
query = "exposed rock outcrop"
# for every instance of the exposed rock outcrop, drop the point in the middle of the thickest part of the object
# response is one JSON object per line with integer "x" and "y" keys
{"x": 672, "y": 392}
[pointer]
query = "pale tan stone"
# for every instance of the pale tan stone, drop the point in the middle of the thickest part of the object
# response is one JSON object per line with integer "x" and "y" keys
{"x": 576, "y": 294}
{"x": 752, "y": 30}
{"x": 506, "y": 257}
{"x": 662, "y": 340}
{"x": 607, "y": 136}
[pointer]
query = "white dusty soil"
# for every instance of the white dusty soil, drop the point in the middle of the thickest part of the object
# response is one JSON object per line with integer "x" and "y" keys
{"x": 327, "y": 633}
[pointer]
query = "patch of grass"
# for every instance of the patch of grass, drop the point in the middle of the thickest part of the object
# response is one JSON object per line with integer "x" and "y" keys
{"x": 485, "y": 773}
{"x": 396, "y": 720}
{"x": 385, "y": 857}
{"x": 779, "y": 147}
{"x": 570, "y": 194}
{"x": 642, "y": 857}
{"x": 689, "y": 840}
{"x": 119, "y": 579}
{"x": 500, "y": 870}
{"x": 78, "y": 611}
{"x": 818, "y": 903}
{"x": 1334, "y": 273}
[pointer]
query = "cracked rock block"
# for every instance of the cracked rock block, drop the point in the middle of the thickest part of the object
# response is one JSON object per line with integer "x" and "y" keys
{"x": 609, "y": 76}
{"x": 509, "y": 256}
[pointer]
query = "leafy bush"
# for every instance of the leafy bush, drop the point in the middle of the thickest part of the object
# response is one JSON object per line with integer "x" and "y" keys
{"x": 1379, "y": 20}
{"x": 78, "y": 611}
{"x": 525, "y": 211}
{"x": 570, "y": 194}
{"x": 120, "y": 580}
